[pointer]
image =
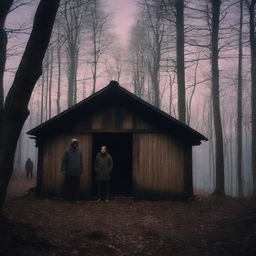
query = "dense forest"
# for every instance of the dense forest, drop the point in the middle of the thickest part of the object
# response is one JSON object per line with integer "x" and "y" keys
{"x": 194, "y": 59}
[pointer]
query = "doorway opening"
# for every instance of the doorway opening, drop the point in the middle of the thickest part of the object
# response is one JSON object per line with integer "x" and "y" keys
{"x": 120, "y": 148}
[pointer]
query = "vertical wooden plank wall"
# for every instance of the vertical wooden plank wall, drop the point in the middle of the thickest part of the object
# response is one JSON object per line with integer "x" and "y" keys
{"x": 54, "y": 149}
{"x": 158, "y": 165}
{"x": 40, "y": 162}
{"x": 188, "y": 175}
{"x": 111, "y": 118}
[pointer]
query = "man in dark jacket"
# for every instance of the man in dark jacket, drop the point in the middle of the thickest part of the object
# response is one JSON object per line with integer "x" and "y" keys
{"x": 29, "y": 168}
{"x": 72, "y": 166}
{"x": 103, "y": 167}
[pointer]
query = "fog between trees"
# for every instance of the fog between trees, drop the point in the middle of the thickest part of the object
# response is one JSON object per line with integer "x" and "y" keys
{"x": 210, "y": 89}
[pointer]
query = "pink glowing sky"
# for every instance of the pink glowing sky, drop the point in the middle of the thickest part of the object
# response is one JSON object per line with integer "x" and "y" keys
{"x": 122, "y": 16}
{"x": 124, "y": 12}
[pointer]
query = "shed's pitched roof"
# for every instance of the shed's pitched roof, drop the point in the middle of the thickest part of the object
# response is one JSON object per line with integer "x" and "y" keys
{"x": 114, "y": 92}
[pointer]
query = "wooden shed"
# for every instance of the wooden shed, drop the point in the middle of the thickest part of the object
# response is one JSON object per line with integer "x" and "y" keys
{"x": 152, "y": 151}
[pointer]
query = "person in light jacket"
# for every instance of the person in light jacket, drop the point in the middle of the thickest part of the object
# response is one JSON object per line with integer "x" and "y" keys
{"x": 72, "y": 167}
{"x": 103, "y": 167}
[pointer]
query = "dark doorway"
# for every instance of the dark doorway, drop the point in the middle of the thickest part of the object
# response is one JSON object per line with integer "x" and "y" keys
{"x": 120, "y": 148}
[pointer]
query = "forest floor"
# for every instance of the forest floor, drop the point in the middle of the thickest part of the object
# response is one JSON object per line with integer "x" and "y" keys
{"x": 205, "y": 225}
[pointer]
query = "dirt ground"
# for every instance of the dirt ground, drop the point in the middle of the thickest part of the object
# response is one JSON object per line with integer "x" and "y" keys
{"x": 205, "y": 225}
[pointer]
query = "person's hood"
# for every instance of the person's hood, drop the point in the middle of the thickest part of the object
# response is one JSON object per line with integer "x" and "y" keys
{"x": 73, "y": 140}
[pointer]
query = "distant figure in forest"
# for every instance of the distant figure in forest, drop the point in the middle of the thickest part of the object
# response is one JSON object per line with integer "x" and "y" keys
{"x": 72, "y": 167}
{"x": 103, "y": 167}
{"x": 29, "y": 168}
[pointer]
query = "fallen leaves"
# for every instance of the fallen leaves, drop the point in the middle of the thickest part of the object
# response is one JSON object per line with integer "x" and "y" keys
{"x": 207, "y": 226}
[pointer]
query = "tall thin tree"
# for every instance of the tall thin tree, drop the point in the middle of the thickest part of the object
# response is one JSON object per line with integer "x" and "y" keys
{"x": 215, "y": 19}
{"x": 97, "y": 27}
{"x": 59, "y": 48}
{"x": 50, "y": 81}
{"x": 239, "y": 102}
{"x": 251, "y": 6}
{"x": 179, "y": 5}
{"x": 72, "y": 14}
{"x": 137, "y": 61}
{"x": 42, "y": 98}
{"x": 155, "y": 28}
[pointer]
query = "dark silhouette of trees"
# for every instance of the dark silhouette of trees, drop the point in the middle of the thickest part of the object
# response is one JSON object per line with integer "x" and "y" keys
{"x": 251, "y": 5}
{"x": 179, "y": 5}
{"x": 239, "y": 102}
{"x": 15, "y": 107}
{"x": 215, "y": 24}
{"x": 5, "y": 6}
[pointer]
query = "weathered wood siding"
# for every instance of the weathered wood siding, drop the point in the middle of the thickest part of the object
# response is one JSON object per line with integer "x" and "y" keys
{"x": 159, "y": 166}
{"x": 112, "y": 119}
{"x": 51, "y": 152}
{"x": 162, "y": 163}
{"x": 188, "y": 171}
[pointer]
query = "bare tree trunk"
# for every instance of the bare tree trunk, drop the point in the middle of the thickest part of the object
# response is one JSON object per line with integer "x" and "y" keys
{"x": 18, "y": 157}
{"x": 71, "y": 80}
{"x": 253, "y": 90}
{"x": 179, "y": 5}
{"x": 138, "y": 74}
{"x": 47, "y": 85}
{"x": 5, "y": 5}
{"x": 59, "y": 71}
{"x": 171, "y": 83}
{"x": 189, "y": 105}
{"x": 16, "y": 103}
{"x": 231, "y": 154}
{"x": 42, "y": 100}
{"x": 73, "y": 17}
{"x": 239, "y": 104}
{"x": 84, "y": 88}
{"x": 138, "y": 59}
{"x": 50, "y": 83}
{"x": 95, "y": 62}
{"x": 37, "y": 120}
{"x": 211, "y": 144}
{"x": 75, "y": 76}
{"x": 219, "y": 189}
{"x": 155, "y": 82}
{"x": 98, "y": 24}
{"x": 211, "y": 156}
{"x": 154, "y": 72}
{"x": 155, "y": 35}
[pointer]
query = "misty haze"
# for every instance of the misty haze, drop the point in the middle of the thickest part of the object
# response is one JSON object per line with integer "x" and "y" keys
{"x": 127, "y": 127}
